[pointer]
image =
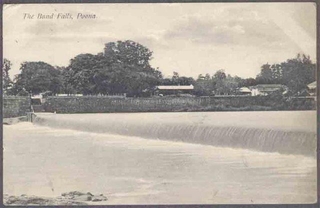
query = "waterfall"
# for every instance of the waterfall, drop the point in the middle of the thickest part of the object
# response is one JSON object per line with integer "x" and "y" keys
{"x": 286, "y": 141}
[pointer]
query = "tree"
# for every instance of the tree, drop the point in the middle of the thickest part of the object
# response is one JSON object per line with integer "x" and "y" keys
{"x": 248, "y": 82}
{"x": 186, "y": 81}
{"x": 220, "y": 75}
{"x": 128, "y": 64}
{"x": 38, "y": 77}
{"x": 175, "y": 78}
{"x": 277, "y": 76}
{"x": 265, "y": 76}
{"x": 123, "y": 68}
{"x": 203, "y": 86}
{"x": 297, "y": 73}
{"x": 6, "y": 81}
{"x": 231, "y": 84}
{"x": 200, "y": 77}
{"x": 81, "y": 70}
{"x": 129, "y": 53}
{"x": 219, "y": 82}
{"x": 166, "y": 81}
{"x": 207, "y": 77}
{"x": 66, "y": 77}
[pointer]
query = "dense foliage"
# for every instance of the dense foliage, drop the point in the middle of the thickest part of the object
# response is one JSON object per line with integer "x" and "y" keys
{"x": 37, "y": 77}
{"x": 124, "y": 67}
{"x": 6, "y": 81}
{"x": 295, "y": 73}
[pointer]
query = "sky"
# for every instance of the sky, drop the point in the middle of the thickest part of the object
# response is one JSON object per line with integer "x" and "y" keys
{"x": 189, "y": 38}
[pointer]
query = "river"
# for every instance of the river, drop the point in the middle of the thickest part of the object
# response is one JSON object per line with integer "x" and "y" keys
{"x": 132, "y": 159}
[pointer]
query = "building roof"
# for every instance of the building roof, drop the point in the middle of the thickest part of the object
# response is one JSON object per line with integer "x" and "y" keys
{"x": 36, "y": 96}
{"x": 268, "y": 87}
{"x": 175, "y": 87}
{"x": 312, "y": 85}
{"x": 244, "y": 89}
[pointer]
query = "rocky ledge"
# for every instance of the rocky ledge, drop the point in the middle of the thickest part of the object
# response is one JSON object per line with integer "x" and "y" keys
{"x": 70, "y": 198}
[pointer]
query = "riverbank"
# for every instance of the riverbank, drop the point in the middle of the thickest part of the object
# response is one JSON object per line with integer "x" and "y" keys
{"x": 14, "y": 120}
{"x": 70, "y": 198}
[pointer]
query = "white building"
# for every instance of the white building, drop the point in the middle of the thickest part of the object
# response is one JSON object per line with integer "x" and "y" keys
{"x": 174, "y": 89}
{"x": 312, "y": 88}
{"x": 244, "y": 91}
{"x": 266, "y": 89}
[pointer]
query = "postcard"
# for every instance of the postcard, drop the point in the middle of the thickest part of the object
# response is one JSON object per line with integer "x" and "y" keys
{"x": 159, "y": 104}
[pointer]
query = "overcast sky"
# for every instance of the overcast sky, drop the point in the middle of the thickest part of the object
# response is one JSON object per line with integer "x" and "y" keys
{"x": 190, "y": 38}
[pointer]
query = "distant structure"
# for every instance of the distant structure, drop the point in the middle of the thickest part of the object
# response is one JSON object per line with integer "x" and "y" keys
{"x": 312, "y": 88}
{"x": 266, "y": 89}
{"x": 244, "y": 91}
{"x": 69, "y": 95}
{"x": 173, "y": 89}
{"x": 37, "y": 99}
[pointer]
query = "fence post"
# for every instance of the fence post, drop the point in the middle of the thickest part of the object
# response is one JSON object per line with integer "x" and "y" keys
{"x": 30, "y": 116}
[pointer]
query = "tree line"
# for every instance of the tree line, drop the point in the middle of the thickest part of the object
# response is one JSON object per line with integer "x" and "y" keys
{"x": 295, "y": 73}
{"x": 124, "y": 67}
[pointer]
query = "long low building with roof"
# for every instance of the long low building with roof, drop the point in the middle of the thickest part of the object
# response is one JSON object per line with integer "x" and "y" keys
{"x": 174, "y": 89}
{"x": 266, "y": 89}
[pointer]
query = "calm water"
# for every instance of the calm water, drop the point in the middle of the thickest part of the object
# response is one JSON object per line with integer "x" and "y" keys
{"x": 55, "y": 157}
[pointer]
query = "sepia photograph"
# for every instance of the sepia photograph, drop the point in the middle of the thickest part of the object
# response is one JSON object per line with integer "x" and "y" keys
{"x": 159, "y": 104}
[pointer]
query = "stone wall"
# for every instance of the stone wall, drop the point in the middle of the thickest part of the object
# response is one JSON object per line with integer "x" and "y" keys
{"x": 96, "y": 104}
{"x": 15, "y": 106}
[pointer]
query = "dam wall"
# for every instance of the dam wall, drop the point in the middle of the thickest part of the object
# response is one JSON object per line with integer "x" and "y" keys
{"x": 215, "y": 130}
{"x": 96, "y": 104}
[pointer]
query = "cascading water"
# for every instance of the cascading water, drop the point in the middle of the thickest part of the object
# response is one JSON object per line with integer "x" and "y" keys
{"x": 283, "y": 132}
{"x": 125, "y": 157}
